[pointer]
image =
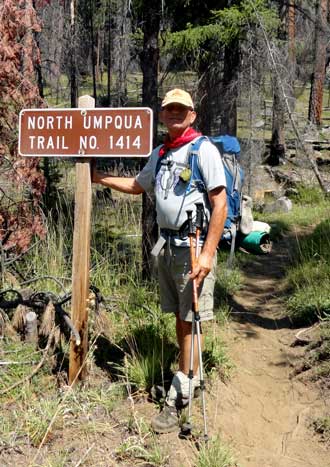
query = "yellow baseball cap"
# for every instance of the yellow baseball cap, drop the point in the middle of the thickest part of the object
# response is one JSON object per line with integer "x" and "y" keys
{"x": 178, "y": 96}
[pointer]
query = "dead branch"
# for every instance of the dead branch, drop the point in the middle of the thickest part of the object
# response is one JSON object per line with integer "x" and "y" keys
{"x": 13, "y": 260}
{"x": 69, "y": 323}
{"x": 296, "y": 131}
{"x": 36, "y": 279}
{"x": 17, "y": 363}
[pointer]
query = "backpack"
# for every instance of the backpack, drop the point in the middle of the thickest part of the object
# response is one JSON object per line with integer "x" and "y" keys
{"x": 229, "y": 149}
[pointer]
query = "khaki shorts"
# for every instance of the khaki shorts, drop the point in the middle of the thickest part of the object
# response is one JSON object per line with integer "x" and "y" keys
{"x": 176, "y": 286}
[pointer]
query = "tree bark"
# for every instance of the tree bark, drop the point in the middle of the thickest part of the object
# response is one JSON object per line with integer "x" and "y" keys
{"x": 121, "y": 54}
{"x": 149, "y": 64}
{"x": 277, "y": 146}
{"x": 205, "y": 114}
{"x": 73, "y": 57}
{"x": 291, "y": 28}
{"x": 230, "y": 89}
{"x": 318, "y": 76}
{"x": 92, "y": 39}
{"x": 109, "y": 56}
{"x": 286, "y": 34}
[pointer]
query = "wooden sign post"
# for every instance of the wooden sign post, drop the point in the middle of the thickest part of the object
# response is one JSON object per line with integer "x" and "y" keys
{"x": 84, "y": 133}
{"x": 80, "y": 261}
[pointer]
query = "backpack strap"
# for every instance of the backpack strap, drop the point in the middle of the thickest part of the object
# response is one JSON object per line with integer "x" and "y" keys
{"x": 196, "y": 176}
{"x": 192, "y": 161}
{"x": 159, "y": 162}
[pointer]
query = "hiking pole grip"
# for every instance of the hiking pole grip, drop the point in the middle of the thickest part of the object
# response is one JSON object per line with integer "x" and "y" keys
{"x": 191, "y": 235}
{"x": 190, "y": 223}
{"x": 199, "y": 225}
{"x": 199, "y": 216}
{"x": 192, "y": 245}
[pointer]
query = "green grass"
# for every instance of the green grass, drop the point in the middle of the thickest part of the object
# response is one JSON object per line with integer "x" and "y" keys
{"x": 34, "y": 401}
{"x": 309, "y": 278}
{"x": 36, "y": 411}
{"x": 228, "y": 281}
{"x": 133, "y": 86}
{"x": 37, "y": 417}
{"x": 318, "y": 353}
{"x": 24, "y": 358}
{"x": 136, "y": 343}
{"x": 308, "y": 281}
{"x": 215, "y": 454}
{"x": 322, "y": 426}
{"x": 149, "y": 356}
{"x": 148, "y": 449}
{"x": 141, "y": 444}
{"x": 58, "y": 459}
{"x": 215, "y": 355}
{"x": 302, "y": 215}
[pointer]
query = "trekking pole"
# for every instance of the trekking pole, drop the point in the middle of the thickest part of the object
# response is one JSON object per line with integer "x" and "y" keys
{"x": 199, "y": 228}
{"x": 187, "y": 426}
{"x": 195, "y": 325}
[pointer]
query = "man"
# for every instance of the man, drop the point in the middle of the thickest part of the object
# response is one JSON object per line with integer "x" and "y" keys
{"x": 173, "y": 198}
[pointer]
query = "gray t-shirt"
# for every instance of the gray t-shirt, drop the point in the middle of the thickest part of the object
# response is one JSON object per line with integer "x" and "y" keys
{"x": 172, "y": 197}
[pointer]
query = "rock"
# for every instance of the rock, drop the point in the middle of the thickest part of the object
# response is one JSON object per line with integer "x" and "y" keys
{"x": 282, "y": 204}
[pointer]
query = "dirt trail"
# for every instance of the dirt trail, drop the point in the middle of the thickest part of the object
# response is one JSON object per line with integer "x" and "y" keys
{"x": 263, "y": 412}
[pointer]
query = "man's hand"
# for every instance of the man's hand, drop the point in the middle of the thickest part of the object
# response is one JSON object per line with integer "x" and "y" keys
{"x": 124, "y": 184}
{"x": 94, "y": 173}
{"x": 201, "y": 268}
{"x": 204, "y": 262}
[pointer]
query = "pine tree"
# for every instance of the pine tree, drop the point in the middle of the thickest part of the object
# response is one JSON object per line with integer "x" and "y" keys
{"x": 318, "y": 76}
{"x": 22, "y": 182}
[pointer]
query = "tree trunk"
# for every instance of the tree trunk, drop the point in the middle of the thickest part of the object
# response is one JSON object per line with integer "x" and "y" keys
{"x": 109, "y": 57}
{"x": 92, "y": 39}
{"x": 318, "y": 76}
{"x": 230, "y": 89}
{"x": 38, "y": 64}
{"x": 205, "y": 114}
{"x": 73, "y": 57}
{"x": 286, "y": 35}
{"x": 277, "y": 146}
{"x": 291, "y": 41}
{"x": 149, "y": 64}
{"x": 291, "y": 28}
{"x": 121, "y": 51}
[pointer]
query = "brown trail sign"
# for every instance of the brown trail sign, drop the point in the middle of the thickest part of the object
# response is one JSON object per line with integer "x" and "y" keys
{"x": 84, "y": 133}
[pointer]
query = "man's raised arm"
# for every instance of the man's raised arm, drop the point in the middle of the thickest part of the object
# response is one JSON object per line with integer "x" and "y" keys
{"x": 125, "y": 185}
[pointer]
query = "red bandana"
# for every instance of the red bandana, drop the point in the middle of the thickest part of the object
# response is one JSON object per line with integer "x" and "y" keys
{"x": 188, "y": 136}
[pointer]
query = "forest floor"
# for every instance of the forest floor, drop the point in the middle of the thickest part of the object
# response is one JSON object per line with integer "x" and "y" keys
{"x": 267, "y": 410}
{"x": 264, "y": 412}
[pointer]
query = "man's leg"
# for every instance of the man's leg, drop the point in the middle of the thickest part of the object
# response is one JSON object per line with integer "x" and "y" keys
{"x": 178, "y": 394}
{"x": 183, "y": 332}
{"x": 179, "y": 391}
{"x": 172, "y": 287}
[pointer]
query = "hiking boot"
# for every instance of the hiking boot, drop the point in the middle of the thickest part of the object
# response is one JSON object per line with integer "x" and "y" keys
{"x": 167, "y": 421}
{"x": 178, "y": 393}
{"x": 157, "y": 393}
